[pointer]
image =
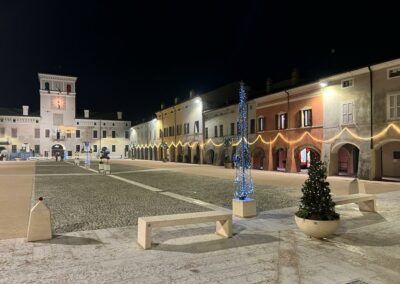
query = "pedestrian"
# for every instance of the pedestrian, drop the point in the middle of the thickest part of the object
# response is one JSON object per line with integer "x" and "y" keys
{"x": 57, "y": 157}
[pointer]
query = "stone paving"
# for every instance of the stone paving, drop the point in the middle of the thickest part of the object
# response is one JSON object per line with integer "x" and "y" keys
{"x": 93, "y": 201}
{"x": 214, "y": 190}
{"x": 265, "y": 249}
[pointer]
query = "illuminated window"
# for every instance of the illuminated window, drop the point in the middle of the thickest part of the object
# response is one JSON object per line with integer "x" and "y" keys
{"x": 261, "y": 123}
{"x": 196, "y": 127}
{"x": 305, "y": 118}
{"x": 281, "y": 121}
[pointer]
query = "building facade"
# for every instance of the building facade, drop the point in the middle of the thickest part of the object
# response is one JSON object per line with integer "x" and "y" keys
{"x": 57, "y": 129}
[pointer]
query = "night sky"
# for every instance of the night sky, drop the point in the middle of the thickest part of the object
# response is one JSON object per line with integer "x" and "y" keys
{"x": 132, "y": 57}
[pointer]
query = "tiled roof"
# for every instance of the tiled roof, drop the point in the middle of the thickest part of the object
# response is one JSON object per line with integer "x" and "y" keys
{"x": 15, "y": 112}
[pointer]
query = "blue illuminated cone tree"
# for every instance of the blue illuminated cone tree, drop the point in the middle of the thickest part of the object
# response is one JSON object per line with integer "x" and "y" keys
{"x": 244, "y": 188}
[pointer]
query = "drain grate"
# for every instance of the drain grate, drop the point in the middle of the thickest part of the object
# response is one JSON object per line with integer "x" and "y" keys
{"x": 357, "y": 281}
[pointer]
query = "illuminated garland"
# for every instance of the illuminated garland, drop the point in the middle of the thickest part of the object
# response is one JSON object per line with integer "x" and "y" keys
{"x": 279, "y": 135}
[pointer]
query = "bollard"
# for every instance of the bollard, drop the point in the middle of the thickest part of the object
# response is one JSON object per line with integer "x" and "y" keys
{"x": 39, "y": 227}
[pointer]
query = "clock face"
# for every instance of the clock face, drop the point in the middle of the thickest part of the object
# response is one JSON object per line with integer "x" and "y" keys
{"x": 58, "y": 103}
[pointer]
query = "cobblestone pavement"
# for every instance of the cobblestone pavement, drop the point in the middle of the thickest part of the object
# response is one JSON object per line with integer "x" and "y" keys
{"x": 265, "y": 249}
{"x": 214, "y": 190}
{"x": 92, "y": 201}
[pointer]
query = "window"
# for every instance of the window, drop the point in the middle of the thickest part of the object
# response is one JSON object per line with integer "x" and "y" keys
{"x": 252, "y": 126}
{"x": 179, "y": 129}
{"x": 47, "y": 86}
{"x": 126, "y": 134}
{"x": 305, "y": 118}
{"x": 232, "y": 128}
{"x": 37, "y": 132}
{"x": 281, "y": 121}
{"x": 396, "y": 155}
{"x": 69, "y": 88}
{"x": 77, "y": 148}
{"x": 348, "y": 83}
{"x": 2, "y": 132}
{"x": 13, "y": 148}
{"x": 186, "y": 128}
{"x": 68, "y": 134}
{"x": 261, "y": 123}
{"x": 113, "y": 134}
{"x": 206, "y": 132}
{"x": 126, "y": 148}
{"x": 46, "y": 153}
{"x": 196, "y": 127}
{"x": 104, "y": 133}
{"x": 47, "y": 133}
{"x": 165, "y": 132}
{"x": 113, "y": 148}
{"x": 171, "y": 131}
{"x": 14, "y": 132}
{"x": 95, "y": 148}
{"x": 347, "y": 113}
{"x": 215, "y": 131}
{"x": 221, "y": 131}
{"x": 78, "y": 133}
{"x": 393, "y": 106}
{"x": 94, "y": 133}
{"x": 70, "y": 153}
{"x": 37, "y": 149}
{"x": 393, "y": 72}
{"x": 161, "y": 133}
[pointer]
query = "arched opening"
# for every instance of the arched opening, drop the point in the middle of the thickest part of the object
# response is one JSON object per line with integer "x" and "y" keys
{"x": 224, "y": 153}
{"x": 304, "y": 155}
{"x": 258, "y": 158}
{"x": 188, "y": 155}
{"x": 146, "y": 153}
{"x": 172, "y": 153}
{"x": 280, "y": 157}
{"x": 347, "y": 160}
{"x": 210, "y": 157}
{"x": 196, "y": 158}
{"x": 150, "y": 153}
{"x": 180, "y": 154}
{"x": 161, "y": 153}
{"x": 387, "y": 162}
{"x": 142, "y": 153}
{"x": 57, "y": 150}
{"x": 155, "y": 153}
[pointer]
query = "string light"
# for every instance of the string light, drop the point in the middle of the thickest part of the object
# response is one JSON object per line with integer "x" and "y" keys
{"x": 280, "y": 136}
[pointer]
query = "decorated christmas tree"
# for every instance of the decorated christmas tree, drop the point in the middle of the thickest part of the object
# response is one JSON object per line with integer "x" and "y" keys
{"x": 244, "y": 188}
{"x": 316, "y": 203}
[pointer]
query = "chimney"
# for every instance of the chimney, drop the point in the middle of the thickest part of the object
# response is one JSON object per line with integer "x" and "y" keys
{"x": 176, "y": 100}
{"x": 86, "y": 113}
{"x": 192, "y": 94}
{"x": 119, "y": 115}
{"x": 295, "y": 76}
{"x": 268, "y": 85}
{"x": 25, "y": 110}
{"x": 162, "y": 106}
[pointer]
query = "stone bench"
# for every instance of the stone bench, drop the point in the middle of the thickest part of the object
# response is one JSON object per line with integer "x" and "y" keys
{"x": 145, "y": 224}
{"x": 366, "y": 202}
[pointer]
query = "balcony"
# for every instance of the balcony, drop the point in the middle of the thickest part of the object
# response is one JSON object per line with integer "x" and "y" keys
{"x": 58, "y": 138}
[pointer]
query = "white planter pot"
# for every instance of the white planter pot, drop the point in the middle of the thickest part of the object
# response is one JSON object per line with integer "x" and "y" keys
{"x": 316, "y": 228}
{"x": 101, "y": 168}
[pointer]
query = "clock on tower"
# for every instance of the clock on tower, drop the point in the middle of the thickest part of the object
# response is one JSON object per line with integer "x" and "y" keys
{"x": 58, "y": 102}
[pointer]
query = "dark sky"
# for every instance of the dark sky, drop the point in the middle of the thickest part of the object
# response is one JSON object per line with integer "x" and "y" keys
{"x": 132, "y": 57}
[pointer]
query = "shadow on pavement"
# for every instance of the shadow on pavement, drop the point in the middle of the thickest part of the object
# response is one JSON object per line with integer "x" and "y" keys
{"x": 71, "y": 240}
{"x": 239, "y": 240}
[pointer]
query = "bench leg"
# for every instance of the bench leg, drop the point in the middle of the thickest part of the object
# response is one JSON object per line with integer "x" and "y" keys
{"x": 368, "y": 206}
{"x": 224, "y": 228}
{"x": 144, "y": 235}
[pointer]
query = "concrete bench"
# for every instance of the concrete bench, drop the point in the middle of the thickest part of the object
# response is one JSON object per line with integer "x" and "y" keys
{"x": 366, "y": 202}
{"x": 145, "y": 224}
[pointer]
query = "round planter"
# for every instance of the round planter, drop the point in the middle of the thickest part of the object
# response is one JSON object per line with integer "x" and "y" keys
{"x": 228, "y": 165}
{"x": 315, "y": 228}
